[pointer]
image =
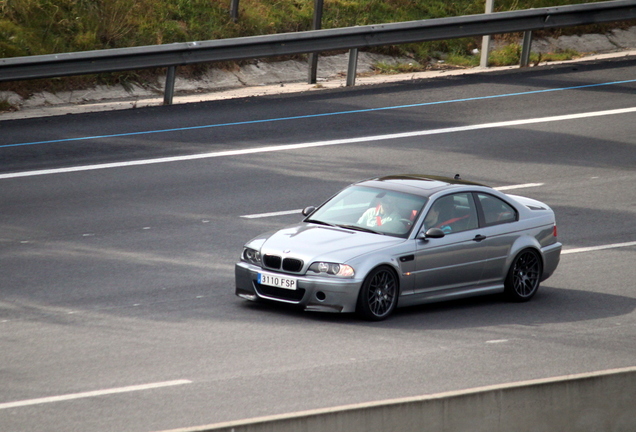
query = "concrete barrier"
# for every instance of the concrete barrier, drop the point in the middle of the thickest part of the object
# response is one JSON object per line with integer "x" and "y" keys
{"x": 595, "y": 402}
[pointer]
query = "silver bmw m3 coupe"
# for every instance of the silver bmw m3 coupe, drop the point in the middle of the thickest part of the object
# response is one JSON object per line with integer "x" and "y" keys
{"x": 403, "y": 240}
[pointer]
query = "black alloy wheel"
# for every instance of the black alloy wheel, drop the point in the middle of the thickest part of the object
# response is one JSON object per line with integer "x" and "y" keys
{"x": 524, "y": 276}
{"x": 378, "y": 295}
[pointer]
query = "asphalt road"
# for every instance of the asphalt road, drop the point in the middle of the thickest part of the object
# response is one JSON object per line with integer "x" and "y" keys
{"x": 117, "y": 310}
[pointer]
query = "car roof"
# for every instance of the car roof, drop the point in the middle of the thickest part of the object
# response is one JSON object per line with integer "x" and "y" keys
{"x": 418, "y": 184}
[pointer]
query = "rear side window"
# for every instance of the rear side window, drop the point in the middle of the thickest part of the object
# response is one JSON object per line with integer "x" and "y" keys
{"x": 495, "y": 210}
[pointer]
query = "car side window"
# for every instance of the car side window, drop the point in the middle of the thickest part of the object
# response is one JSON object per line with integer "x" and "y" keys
{"x": 495, "y": 210}
{"x": 452, "y": 213}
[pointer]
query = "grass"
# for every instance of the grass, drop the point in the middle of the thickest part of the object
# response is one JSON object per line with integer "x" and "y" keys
{"x": 507, "y": 56}
{"x": 397, "y": 68}
{"x": 31, "y": 27}
{"x": 511, "y": 54}
{"x": 5, "y": 106}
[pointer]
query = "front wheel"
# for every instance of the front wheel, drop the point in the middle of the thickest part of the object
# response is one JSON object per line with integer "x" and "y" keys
{"x": 378, "y": 295}
{"x": 524, "y": 276}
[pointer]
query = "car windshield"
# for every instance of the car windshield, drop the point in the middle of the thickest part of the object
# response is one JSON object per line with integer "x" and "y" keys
{"x": 373, "y": 210}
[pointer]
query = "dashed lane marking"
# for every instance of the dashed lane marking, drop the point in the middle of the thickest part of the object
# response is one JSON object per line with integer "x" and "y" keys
{"x": 598, "y": 248}
{"x": 90, "y": 394}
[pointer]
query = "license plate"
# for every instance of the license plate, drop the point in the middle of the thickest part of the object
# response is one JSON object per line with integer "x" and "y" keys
{"x": 277, "y": 281}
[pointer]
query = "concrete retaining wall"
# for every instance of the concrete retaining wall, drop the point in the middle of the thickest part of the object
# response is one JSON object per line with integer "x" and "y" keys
{"x": 595, "y": 402}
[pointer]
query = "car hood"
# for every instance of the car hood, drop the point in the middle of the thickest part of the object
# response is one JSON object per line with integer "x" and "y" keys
{"x": 311, "y": 242}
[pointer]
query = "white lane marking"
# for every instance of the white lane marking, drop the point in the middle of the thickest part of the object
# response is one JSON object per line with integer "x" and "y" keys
{"x": 497, "y": 341}
{"x": 288, "y": 212}
{"x": 92, "y": 394}
{"x": 597, "y": 248}
{"x": 279, "y": 213}
{"x": 520, "y": 186}
{"x": 277, "y": 148}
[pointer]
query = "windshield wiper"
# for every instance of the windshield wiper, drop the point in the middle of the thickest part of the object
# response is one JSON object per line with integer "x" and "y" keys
{"x": 360, "y": 228}
{"x": 319, "y": 222}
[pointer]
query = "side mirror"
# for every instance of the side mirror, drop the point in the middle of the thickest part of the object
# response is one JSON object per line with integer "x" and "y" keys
{"x": 432, "y": 233}
{"x": 308, "y": 210}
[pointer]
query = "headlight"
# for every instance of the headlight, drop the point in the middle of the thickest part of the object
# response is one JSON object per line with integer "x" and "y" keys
{"x": 252, "y": 256}
{"x": 342, "y": 270}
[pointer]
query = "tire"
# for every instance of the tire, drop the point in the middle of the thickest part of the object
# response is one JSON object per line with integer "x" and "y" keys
{"x": 524, "y": 276}
{"x": 379, "y": 294}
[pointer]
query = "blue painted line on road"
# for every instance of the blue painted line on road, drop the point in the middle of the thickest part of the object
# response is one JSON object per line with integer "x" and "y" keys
{"x": 306, "y": 145}
{"x": 248, "y": 122}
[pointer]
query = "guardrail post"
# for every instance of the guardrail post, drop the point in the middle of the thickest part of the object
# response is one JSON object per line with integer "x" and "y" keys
{"x": 313, "y": 57}
{"x": 313, "y": 68}
{"x": 485, "y": 40}
{"x": 234, "y": 8}
{"x": 169, "y": 91}
{"x": 525, "y": 48}
{"x": 353, "y": 66}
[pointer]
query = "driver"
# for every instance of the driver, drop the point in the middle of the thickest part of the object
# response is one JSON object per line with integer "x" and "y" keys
{"x": 440, "y": 215}
{"x": 385, "y": 211}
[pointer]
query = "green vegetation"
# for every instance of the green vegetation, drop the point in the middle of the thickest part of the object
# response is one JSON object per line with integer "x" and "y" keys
{"x": 508, "y": 55}
{"x": 511, "y": 54}
{"x": 31, "y": 27}
{"x": 6, "y": 106}
{"x": 505, "y": 56}
{"x": 397, "y": 68}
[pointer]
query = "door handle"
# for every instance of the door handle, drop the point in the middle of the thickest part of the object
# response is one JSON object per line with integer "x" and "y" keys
{"x": 479, "y": 238}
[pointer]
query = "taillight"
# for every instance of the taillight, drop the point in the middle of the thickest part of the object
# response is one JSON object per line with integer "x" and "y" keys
{"x": 554, "y": 231}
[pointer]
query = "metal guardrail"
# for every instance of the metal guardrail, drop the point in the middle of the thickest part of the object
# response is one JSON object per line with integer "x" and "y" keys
{"x": 178, "y": 54}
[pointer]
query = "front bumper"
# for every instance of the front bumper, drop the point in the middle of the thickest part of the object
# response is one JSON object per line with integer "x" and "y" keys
{"x": 314, "y": 293}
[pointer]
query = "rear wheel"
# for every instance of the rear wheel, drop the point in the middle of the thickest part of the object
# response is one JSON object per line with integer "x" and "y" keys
{"x": 524, "y": 276}
{"x": 378, "y": 295}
